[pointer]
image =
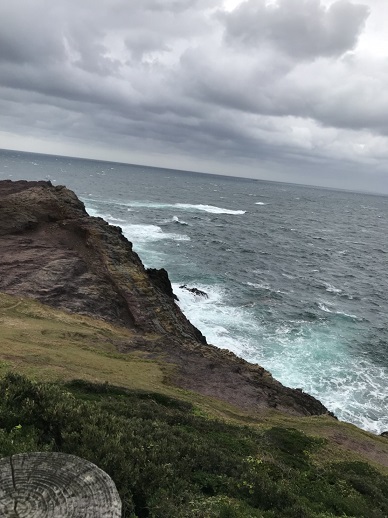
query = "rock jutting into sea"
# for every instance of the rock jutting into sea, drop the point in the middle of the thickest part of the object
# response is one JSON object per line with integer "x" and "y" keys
{"x": 54, "y": 252}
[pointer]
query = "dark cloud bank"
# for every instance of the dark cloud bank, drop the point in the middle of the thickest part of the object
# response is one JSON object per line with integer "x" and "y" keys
{"x": 278, "y": 90}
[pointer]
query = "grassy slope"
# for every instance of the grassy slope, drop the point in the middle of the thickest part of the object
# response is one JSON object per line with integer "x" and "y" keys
{"x": 49, "y": 345}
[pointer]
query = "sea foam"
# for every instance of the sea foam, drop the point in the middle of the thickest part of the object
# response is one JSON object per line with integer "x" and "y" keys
{"x": 298, "y": 353}
{"x": 142, "y": 233}
{"x": 187, "y": 206}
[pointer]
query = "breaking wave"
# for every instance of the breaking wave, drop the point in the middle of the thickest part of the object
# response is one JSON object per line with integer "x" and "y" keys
{"x": 187, "y": 206}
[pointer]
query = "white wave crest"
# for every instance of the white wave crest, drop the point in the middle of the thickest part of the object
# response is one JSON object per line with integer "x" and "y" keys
{"x": 187, "y": 206}
{"x": 324, "y": 308}
{"x": 139, "y": 233}
{"x": 332, "y": 289}
{"x": 347, "y": 315}
{"x": 209, "y": 208}
{"x": 175, "y": 219}
{"x": 145, "y": 233}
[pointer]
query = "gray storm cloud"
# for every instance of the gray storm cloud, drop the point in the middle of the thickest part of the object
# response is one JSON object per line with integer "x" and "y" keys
{"x": 304, "y": 29}
{"x": 282, "y": 90}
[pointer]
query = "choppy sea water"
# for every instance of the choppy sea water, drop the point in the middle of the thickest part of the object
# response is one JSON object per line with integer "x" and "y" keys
{"x": 296, "y": 276}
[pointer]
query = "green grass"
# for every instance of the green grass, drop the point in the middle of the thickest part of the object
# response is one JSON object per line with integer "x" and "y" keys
{"x": 52, "y": 345}
{"x": 172, "y": 453}
{"x": 168, "y": 462}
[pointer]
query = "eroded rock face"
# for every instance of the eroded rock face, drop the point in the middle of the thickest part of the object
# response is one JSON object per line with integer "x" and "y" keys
{"x": 53, "y": 251}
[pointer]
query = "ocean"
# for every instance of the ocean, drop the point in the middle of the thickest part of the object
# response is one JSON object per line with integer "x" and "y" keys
{"x": 295, "y": 275}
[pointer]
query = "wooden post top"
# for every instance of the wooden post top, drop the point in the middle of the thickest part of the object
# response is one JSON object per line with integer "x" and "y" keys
{"x": 55, "y": 485}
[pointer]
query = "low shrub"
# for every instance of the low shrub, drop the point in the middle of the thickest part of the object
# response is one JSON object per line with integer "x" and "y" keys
{"x": 168, "y": 462}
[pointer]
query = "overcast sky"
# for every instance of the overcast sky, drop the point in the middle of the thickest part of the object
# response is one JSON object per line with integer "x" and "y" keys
{"x": 289, "y": 90}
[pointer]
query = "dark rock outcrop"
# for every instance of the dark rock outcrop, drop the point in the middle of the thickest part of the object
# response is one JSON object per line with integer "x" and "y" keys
{"x": 53, "y": 251}
{"x": 195, "y": 291}
{"x": 161, "y": 280}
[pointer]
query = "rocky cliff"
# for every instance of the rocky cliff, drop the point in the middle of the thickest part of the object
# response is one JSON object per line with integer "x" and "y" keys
{"x": 53, "y": 251}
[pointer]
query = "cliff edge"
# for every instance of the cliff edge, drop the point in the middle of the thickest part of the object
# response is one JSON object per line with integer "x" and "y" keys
{"x": 54, "y": 252}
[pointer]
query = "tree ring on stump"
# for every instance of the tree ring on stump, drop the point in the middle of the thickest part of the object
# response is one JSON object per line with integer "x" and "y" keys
{"x": 55, "y": 485}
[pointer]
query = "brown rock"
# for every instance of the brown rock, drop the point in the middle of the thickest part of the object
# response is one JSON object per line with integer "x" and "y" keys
{"x": 54, "y": 252}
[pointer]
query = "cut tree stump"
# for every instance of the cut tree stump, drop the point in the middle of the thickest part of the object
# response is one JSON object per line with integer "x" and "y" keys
{"x": 55, "y": 485}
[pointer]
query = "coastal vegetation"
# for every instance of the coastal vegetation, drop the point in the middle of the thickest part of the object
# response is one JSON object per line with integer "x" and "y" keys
{"x": 168, "y": 460}
{"x": 172, "y": 453}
